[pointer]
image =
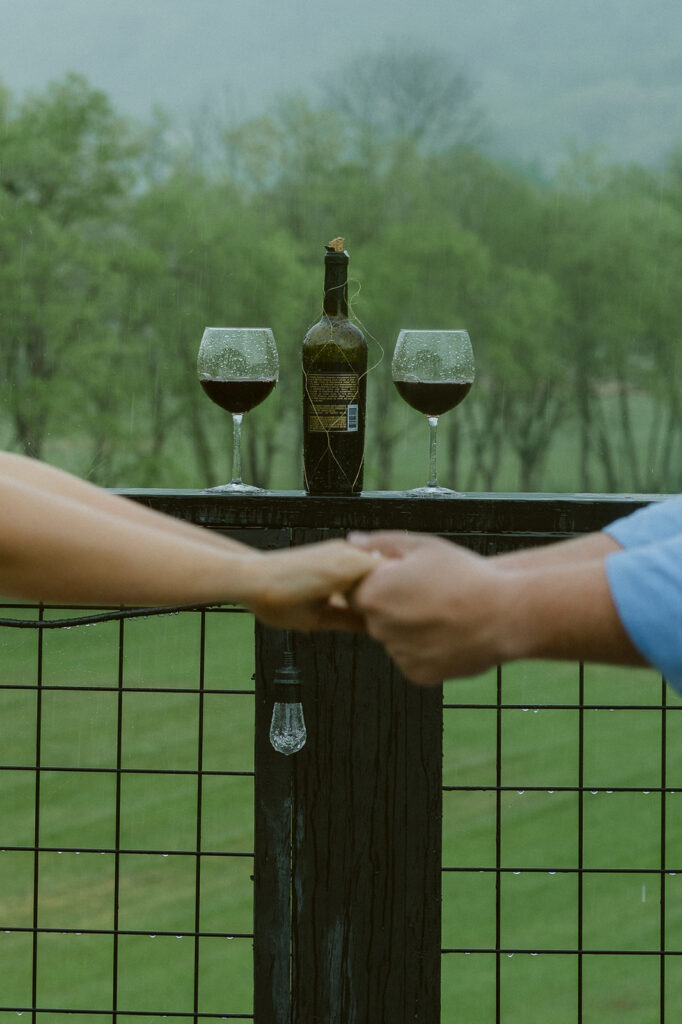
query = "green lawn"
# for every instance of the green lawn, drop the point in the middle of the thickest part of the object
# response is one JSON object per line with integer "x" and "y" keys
{"x": 159, "y": 731}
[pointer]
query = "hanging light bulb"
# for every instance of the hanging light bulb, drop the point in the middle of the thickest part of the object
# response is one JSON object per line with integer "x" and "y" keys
{"x": 287, "y": 728}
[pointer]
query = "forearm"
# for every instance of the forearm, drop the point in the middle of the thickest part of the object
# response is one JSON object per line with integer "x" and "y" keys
{"x": 564, "y": 552}
{"x": 565, "y": 612}
{"x": 48, "y": 480}
{"x": 65, "y": 550}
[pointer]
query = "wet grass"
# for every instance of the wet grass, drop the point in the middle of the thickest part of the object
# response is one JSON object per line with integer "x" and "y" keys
{"x": 158, "y": 808}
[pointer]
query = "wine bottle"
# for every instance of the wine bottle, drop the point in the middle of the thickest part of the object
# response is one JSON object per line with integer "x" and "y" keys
{"x": 334, "y": 388}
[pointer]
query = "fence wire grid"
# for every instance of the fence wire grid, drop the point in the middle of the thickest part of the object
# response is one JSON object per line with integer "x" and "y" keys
{"x": 126, "y": 784}
{"x": 127, "y": 831}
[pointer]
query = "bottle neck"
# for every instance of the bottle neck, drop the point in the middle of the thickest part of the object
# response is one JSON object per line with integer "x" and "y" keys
{"x": 335, "y": 301}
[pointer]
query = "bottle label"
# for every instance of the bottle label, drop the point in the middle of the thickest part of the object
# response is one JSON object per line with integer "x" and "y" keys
{"x": 332, "y": 402}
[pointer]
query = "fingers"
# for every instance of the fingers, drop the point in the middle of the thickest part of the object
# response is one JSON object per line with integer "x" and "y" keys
{"x": 390, "y": 543}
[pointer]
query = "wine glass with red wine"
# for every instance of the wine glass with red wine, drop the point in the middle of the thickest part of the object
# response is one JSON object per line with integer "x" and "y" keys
{"x": 238, "y": 367}
{"x": 433, "y": 372}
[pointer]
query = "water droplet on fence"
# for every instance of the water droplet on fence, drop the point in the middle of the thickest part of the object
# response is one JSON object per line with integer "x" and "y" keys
{"x": 550, "y": 791}
{"x": 229, "y": 937}
{"x": 535, "y": 710}
{"x": 510, "y": 955}
{"x": 517, "y": 872}
{"x": 178, "y": 936}
{"x": 594, "y": 792}
{"x": 551, "y": 872}
{"x": 152, "y": 936}
{"x": 520, "y": 791}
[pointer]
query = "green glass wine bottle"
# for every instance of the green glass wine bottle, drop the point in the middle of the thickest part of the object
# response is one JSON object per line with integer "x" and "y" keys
{"x": 334, "y": 388}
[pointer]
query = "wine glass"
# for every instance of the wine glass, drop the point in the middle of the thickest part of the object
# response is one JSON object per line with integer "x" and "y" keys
{"x": 238, "y": 367}
{"x": 433, "y": 371}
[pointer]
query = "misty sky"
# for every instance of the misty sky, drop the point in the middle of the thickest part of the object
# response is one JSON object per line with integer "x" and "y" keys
{"x": 547, "y": 74}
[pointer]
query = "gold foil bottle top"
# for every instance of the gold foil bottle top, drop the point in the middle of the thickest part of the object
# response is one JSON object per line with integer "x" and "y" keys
{"x": 336, "y": 245}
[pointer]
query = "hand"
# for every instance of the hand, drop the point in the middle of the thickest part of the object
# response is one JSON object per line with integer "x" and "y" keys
{"x": 303, "y": 587}
{"x": 433, "y": 605}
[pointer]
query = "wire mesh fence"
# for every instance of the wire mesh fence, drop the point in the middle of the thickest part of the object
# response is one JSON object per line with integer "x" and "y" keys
{"x": 126, "y": 783}
{"x": 562, "y": 847}
{"x": 136, "y": 810}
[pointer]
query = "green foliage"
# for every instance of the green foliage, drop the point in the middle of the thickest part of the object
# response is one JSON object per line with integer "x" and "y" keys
{"x": 118, "y": 245}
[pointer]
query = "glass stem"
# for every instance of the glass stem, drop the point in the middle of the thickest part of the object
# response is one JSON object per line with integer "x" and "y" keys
{"x": 237, "y": 447}
{"x": 433, "y": 474}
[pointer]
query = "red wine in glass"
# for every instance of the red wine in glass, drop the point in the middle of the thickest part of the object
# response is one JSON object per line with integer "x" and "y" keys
{"x": 237, "y": 396}
{"x": 433, "y": 372}
{"x": 237, "y": 368}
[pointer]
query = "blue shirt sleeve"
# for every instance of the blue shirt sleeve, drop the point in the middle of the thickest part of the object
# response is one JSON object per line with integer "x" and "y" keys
{"x": 655, "y": 522}
{"x": 646, "y": 584}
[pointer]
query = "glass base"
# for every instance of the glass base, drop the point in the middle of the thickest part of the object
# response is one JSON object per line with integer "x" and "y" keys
{"x": 433, "y": 491}
{"x": 234, "y": 487}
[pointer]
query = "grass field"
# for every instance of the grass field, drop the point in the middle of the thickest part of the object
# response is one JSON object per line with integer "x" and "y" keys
{"x": 158, "y": 807}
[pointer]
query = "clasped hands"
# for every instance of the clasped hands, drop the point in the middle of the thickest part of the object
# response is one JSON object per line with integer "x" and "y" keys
{"x": 429, "y": 602}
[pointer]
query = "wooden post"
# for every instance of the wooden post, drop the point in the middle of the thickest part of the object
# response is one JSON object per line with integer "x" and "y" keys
{"x": 348, "y": 841}
{"x": 366, "y": 840}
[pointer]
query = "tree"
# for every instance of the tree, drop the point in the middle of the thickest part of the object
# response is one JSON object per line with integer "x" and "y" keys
{"x": 409, "y": 93}
{"x": 67, "y": 165}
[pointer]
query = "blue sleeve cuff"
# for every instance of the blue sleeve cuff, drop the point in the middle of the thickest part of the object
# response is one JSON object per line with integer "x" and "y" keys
{"x": 656, "y": 522}
{"x": 646, "y": 586}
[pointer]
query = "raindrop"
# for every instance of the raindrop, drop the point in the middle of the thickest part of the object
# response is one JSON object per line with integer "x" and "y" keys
{"x": 229, "y": 937}
{"x": 550, "y": 791}
{"x": 646, "y": 792}
{"x": 551, "y": 872}
{"x": 517, "y": 872}
{"x": 535, "y": 710}
{"x": 178, "y": 936}
{"x": 594, "y": 792}
{"x": 152, "y": 936}
{"x": 510, "y": 955}
{"x": 535, "y": 954}
{"x": 520, "y": 791}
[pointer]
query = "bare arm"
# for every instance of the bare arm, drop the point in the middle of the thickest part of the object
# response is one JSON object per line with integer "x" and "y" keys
{"x": 564, "y": 552}
{"x": 74, "y": 543}
{"x": 443, "y": 612}
{"x": 56, "y": 482}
